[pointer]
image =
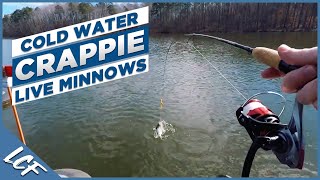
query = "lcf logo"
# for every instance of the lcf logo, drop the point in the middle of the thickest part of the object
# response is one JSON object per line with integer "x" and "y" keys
{"x": 27, "y": 158}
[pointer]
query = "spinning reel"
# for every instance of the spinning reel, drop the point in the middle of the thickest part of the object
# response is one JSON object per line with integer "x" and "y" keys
{"x": 267, "y": 132}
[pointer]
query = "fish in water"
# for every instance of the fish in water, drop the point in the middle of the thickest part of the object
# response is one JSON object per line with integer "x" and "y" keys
{"x": 160, "y": 129}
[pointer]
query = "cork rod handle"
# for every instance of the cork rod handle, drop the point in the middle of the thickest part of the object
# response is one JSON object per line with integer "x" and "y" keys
{"x": 267, "y": 56}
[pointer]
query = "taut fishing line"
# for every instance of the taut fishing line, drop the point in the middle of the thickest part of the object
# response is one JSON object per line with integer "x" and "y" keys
{"x": 235, "y": 88}
{"x": 263, "y": 126}
{"x": 162, "y": 126}
{"x": 217, "y": 70}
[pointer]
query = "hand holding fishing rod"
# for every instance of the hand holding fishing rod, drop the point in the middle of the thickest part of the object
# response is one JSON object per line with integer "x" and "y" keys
{"x": 264, "y": 55}
{"x": 303, "y": 78}
{"x": 302, "y": 81}
{"x": 263, "y": 126}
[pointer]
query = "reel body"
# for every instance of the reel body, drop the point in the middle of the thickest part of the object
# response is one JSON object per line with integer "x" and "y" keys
{"x": 267, "y": 132}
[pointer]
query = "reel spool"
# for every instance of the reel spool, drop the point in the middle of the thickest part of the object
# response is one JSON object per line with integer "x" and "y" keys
{"x": 267, "y": 132}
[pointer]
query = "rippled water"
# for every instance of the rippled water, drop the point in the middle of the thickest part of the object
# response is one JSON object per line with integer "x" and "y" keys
{"x": 107, "y": 130}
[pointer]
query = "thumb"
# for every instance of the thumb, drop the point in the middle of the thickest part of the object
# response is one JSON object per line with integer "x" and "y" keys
{"x": 298, "y": 56}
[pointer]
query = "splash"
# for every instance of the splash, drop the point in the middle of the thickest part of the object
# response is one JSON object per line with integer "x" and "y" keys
{"x": 162, "y": 128}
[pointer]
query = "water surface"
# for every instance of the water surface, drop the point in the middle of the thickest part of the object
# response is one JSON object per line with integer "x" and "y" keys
{"x": 106, "y": 130}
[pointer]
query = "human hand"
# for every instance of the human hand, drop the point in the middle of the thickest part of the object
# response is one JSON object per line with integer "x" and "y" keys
{"x": 302, "y": 81}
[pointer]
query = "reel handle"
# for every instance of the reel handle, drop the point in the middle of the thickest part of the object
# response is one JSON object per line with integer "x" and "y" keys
{"x": 271, "y": 58}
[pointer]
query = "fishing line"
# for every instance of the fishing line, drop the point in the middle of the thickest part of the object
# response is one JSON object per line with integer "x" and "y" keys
{"x": 217, "y": 70}
{"x": 263, "y": 126}
{"x": 164, "y": 78}
{"x": 247, "y": 99}
{"x": 164, "y": 72}
{"x": 249, "y": 49}
{"x": 196, "y": 49}
{"x": 162, "y": 125}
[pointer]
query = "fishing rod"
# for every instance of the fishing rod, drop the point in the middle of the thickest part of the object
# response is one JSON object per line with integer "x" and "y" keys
{"x": 264, "y": 55}
{"x": 264, "y": 127}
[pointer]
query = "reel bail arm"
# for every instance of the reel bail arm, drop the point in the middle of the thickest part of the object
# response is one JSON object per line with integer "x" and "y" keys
{"x": 266, "y": 132}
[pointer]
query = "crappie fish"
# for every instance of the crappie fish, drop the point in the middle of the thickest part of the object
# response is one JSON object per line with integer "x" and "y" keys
{"x": 160, "y": 129}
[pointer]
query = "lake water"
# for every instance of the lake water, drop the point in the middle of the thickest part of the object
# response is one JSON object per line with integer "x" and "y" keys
{"x": 106, "y": 130}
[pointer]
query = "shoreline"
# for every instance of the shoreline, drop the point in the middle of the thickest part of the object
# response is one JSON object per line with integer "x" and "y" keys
{"x": 154, "y": 32}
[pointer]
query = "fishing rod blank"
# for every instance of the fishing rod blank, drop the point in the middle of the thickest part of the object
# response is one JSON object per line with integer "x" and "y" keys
{"x": 262, "y": 125}
{"x": 264, "y": 55}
